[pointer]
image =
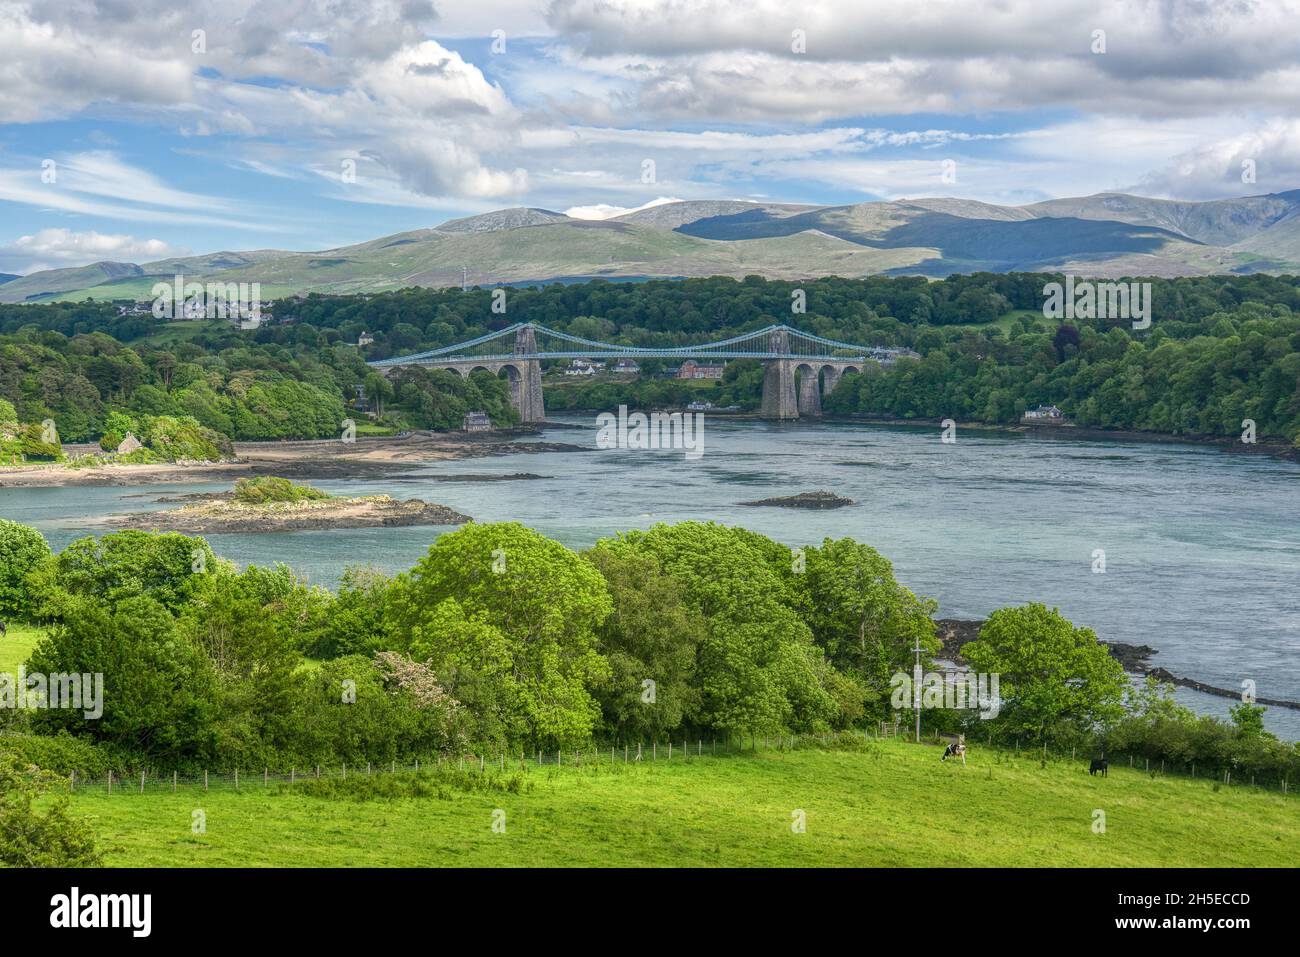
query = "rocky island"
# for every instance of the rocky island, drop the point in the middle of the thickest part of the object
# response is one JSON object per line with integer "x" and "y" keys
{"x": 819, "y": 499}
{"x": 273, "y": 504}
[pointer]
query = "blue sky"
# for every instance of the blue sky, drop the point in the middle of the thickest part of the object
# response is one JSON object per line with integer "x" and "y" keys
{"x": 181, "y": 128}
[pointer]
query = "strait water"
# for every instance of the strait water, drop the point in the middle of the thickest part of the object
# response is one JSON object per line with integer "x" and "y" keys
{"x": 1202, "y": 547}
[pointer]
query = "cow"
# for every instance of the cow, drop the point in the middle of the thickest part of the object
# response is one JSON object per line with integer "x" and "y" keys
{"x": 956, "y": 748}
{"x": 1098, "y": 764}
{"x": 4, "y": 628}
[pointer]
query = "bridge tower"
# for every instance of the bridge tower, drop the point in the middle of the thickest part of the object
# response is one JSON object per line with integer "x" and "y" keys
{"x": 779, "y": 399}
{"x": 527, "y": 386}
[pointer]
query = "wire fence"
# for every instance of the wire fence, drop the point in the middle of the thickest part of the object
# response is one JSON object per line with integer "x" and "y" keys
{"x": 622, "y": 754}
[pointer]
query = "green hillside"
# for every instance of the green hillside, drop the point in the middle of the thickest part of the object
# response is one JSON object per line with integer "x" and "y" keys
{"x": 882, "y": 804}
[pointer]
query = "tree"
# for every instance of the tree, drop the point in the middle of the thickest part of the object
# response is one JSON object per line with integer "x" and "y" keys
{"x": 357, "y": 614}
{"x": 167, "y": 566}
{"x": 1049, "y": 671}
{"x": 862, "y": 618}
{"x": 757, "y": 669}
{"x": 1248, "y": 719}
{"x": 507, "y": 619}
{"x": 650, "y": 642}
{"x": 248, "y": 625}
{"x": 21, "y": 549}
{"x": 159, "y": 697}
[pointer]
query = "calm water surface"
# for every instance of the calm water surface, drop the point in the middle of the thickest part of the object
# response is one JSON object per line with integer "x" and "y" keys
{"x": 1202, "y": 547}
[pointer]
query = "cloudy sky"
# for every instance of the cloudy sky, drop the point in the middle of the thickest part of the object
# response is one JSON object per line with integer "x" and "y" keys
{"x": 138, "y": 129}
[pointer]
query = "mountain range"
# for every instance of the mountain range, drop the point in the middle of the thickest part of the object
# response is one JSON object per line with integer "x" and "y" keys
{"x": 1105, "y": 235}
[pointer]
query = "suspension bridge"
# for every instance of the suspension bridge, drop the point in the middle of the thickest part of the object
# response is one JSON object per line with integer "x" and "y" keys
{"x": 801, "y": 367}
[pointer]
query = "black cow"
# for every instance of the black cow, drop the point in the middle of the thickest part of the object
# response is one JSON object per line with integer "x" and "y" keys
{"x": 1098, "y": 764}
{"x": 4, "y": 629}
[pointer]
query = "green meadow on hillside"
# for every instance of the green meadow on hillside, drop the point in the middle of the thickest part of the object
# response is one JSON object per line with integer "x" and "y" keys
{"x": 878, "y": 804}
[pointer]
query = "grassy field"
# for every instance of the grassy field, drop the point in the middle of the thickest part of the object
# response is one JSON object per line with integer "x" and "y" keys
{"x": 890, "y": 804}
{"x": 16, "y": 646}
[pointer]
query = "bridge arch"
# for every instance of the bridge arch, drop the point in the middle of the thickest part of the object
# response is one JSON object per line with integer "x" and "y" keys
{"x": 808, "y": 385}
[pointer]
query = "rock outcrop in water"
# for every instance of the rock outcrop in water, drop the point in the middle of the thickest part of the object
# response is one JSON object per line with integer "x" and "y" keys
{"x": 806, "y": 500}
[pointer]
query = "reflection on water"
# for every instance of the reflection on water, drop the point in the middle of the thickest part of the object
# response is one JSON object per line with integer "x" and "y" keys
{"x": 1202, "y": 548}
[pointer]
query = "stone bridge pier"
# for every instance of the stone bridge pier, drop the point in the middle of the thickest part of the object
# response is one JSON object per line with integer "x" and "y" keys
{"x": 523, "y": 374}
{"x": 795, "y": 387}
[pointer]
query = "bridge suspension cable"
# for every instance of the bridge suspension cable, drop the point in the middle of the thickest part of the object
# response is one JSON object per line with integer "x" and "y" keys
{"x": 759, "y": 342}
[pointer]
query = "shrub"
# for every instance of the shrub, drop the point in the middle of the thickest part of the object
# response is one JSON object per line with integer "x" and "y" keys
{"x": 62, "y": 753}
{"x": 265, "y": 489}
{"x": 30, "y": 838}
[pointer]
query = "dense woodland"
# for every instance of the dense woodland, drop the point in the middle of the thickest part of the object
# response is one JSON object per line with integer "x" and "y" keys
{"x": 695, "y": 629}
{"x": 1219, "y": 350}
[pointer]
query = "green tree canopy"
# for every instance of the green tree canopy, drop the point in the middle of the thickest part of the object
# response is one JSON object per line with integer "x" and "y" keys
{"x": 757, "y": 669}
{"x": 1050, "y": 672}
{"x": 21, "y": 549}
{"x": 651, "y": 637}
{"x": 507, "y": 619}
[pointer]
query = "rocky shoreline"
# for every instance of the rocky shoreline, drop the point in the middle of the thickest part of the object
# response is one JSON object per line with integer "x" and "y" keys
{"x": 368, "y": 458}
{"x": 217, "y": 513}
{"x": 954, "y": 633}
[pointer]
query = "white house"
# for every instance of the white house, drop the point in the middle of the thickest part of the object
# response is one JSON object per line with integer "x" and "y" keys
{"x": 1048, "y": 412}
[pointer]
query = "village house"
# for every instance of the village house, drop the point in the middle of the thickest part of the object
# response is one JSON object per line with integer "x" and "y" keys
{"x": 364, "y": 339}
{"x": 691, "y": 369}
{"x": 626, "y": 367}
{"x": 1044, "y": 414}
{"x": 476, "y": 422}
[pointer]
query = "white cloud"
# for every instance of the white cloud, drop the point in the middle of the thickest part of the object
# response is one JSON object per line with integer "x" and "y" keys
{"x": 52, "y": 248}
{"x": 1212, "y": 170}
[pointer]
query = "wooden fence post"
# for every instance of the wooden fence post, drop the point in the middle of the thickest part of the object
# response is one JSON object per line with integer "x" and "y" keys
{"x": 72, "y": 785}
{"x": 173, "y": 782}
{"x": 141, "y": 782}
{"x": 205, "y": 779}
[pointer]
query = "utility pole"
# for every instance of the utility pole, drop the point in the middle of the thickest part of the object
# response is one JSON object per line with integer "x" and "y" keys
{"x": 464, "y": 278}
{"x": 916, "y": 692}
